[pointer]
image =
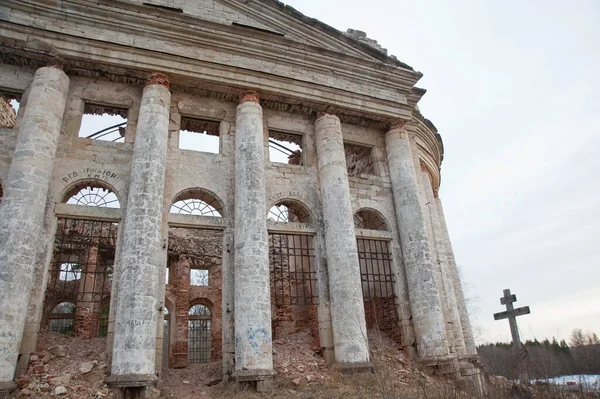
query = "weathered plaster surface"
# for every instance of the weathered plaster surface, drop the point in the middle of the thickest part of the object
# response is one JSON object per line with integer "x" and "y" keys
{"x": 141, "y": 259}
{"x": 347, "y": 310}
{"x": 253, "y": 338}
{"x": 425, "y": 303}
{"x": 23, "y": 206}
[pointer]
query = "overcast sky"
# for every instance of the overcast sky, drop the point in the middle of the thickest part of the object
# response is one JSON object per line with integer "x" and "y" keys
{"x": 513, "y": 87}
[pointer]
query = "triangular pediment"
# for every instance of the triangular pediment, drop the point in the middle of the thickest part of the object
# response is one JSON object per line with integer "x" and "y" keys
{"x": 211, "y": 10}
{"x": 274, "y": 17}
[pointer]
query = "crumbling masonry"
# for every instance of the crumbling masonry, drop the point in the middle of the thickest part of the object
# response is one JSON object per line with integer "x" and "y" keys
{"x": 179, "y": 256}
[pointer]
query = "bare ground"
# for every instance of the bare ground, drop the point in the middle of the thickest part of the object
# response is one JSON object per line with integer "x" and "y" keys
{"x": 301, "y": 374}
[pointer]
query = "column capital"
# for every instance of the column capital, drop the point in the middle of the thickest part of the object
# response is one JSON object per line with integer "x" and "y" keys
{"x": 158, "y": 78}
{"x": 397, "y": 125}
{"x": 58, "y": 63}
{"x": 321, "y": 114}
{"x": 249, "y": 95}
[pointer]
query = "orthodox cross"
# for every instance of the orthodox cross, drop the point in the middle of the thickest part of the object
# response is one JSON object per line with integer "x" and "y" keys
{"x": 511, "y": 314}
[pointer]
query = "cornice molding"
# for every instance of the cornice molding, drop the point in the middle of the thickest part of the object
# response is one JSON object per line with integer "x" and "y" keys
{"x": 118, "y": 19}
{"x": 101, "y": 59}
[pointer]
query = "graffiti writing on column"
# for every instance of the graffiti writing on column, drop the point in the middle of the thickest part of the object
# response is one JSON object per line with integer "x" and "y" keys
{"x": 258, "y": 338}
{"x": 7, "y": 351}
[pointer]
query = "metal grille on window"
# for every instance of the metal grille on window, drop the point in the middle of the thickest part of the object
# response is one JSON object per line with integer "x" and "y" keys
{"x": 199, "y": 334}
{"x": 83, "y": 261}
{"x": 62, "y": 318}
{"x": 103, "y": 321}
{"x": 292, "y": 269}
{"x": 378, "y": 286}
{"x": 95, "y": 196}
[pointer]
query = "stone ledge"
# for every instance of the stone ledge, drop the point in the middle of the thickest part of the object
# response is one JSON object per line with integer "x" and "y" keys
{"x": 435, "y": 360}
{"x": 253, "y": 375}
{"x": 130, "y": 380}
{"x": 354, "y": 368}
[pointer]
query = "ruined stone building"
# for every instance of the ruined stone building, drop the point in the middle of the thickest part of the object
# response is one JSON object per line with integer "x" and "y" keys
{"x": 260, "y": 173}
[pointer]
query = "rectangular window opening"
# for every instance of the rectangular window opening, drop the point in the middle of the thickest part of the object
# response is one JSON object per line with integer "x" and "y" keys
{"x": 285, "y": 148}
{"x": 9, "y": 107}
{"x": 105, "y": 123}
{"x": 199, "y": 135}
{"x": 199, "y": 277}
{"x": 359, "y": 160}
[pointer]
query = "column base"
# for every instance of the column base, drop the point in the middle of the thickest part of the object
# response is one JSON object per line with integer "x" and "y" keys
{"x": 472, "y": 378}
{"x": 7, "y": 388}
{"x": 354, "y": 368}
{"x": 329, "y": 356}
{"x": 22, "y": 364}
{"x": 262, "y": 379}
{"x": 133, "y": 386}
{"x": 446, "y": 365}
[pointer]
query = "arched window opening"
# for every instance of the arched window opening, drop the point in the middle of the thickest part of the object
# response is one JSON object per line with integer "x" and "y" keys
{"x": 197, "y": 202}
{"x": 93, "y": 195}
{"x": 62, "y": 318}
{"x": 199, "y": 310}
{"x": 289, "y": 211}
{"x": 199, "y": 334}
{"x": 370, "y": 220}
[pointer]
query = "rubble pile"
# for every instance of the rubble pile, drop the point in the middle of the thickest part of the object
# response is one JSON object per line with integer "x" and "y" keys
{"x": 65, "y": 367}
{"x": 296, "y": 359}
{"x": 68, "y": 367}
{"x": 197, "y": 381}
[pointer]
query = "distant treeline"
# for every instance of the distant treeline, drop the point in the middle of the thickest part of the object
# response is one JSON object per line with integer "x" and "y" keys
{"x": 544, "y": 359}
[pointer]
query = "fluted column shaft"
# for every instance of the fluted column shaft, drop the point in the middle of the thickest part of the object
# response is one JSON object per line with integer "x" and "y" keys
{"x": 253, "y": 337}
{"x": 23, "y": 206}
{"x": 345, "y": 290}
{"x": 141, "y": 261}
{"x": 426, "y": 309}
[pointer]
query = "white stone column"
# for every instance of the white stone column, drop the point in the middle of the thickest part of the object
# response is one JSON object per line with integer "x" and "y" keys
{"x": 252, "y": 303}
{"x": 23, "y": 206}
{"x": 452, "y": 317}
{"x": 468, "y": 358}
{"x": 466, "y": 328}
{"x": 426, "y": 308}
{"x": 347, "y": 308}
{"x": 141, "y": 261}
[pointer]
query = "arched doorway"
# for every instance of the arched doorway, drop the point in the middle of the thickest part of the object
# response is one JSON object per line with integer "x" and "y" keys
{"x": 199, "y": 319}
{"x": 62, "y": 318}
